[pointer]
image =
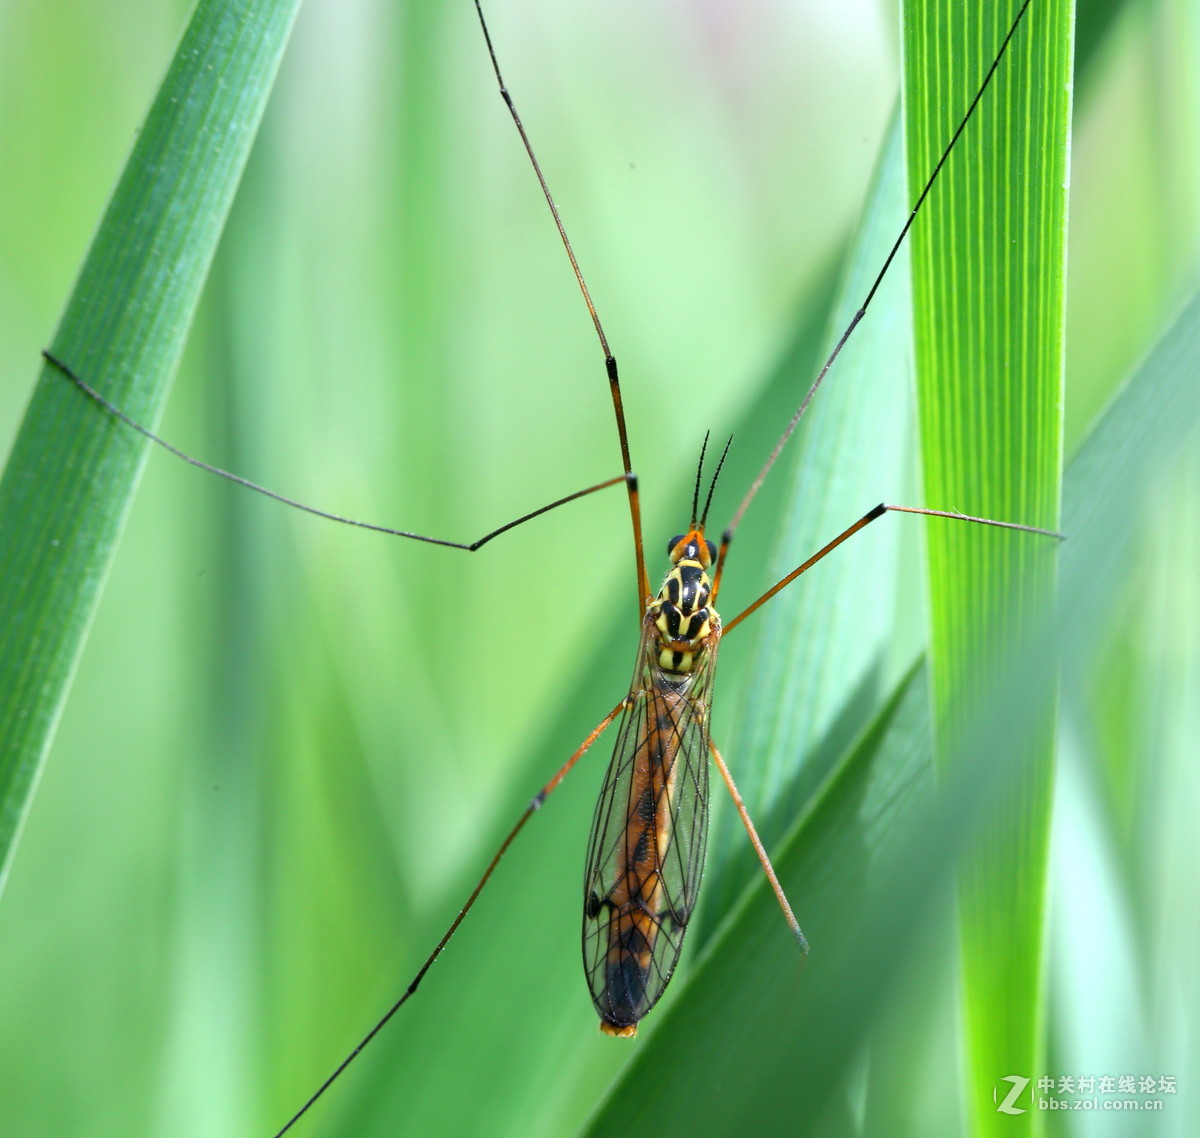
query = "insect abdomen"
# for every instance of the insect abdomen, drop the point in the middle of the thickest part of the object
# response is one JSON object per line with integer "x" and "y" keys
{"x": 638, "y": 905}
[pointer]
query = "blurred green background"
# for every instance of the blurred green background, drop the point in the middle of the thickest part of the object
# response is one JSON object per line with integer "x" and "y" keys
{"x": 290, "y": 747}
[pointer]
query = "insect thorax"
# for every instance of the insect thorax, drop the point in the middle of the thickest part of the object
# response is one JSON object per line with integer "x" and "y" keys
{"x": 682, "y": 619}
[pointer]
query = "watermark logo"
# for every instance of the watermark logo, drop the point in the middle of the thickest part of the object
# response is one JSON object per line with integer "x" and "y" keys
{"x": 1006, "y": 1092}
{"x": 1082, "y": 1092}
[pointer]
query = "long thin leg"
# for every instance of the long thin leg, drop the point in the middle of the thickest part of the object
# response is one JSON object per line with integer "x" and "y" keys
{"x": 470, "y": 547}
{"x": 862, "y": 523}
{"x": 610, "y": 363}
{"x": 534, "y": 805}
{"x": 862, "y": 311}
{"x": 759, "y": 849}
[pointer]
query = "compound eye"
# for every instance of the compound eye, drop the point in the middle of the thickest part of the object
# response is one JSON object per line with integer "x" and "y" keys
{"x": 673, "y": 543}
{"x": 712, "y": 551}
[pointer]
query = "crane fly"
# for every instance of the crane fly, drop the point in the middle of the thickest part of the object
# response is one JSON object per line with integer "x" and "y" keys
{"x": 646, "y": 850}
{"x": 647, "y": 844}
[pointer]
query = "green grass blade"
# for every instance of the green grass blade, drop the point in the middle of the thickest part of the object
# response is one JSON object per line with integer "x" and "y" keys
{"x": 989, "y": 280}
{"x": 1122, "y": 463}
{"x": 1131, "y": 671}
{"x": 72, "y": 472}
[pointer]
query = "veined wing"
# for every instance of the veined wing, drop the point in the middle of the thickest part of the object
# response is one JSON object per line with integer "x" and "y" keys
{"x": 648, "y": 838}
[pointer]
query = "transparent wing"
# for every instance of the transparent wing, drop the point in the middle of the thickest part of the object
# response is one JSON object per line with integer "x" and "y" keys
{"x": 646, "y": 851}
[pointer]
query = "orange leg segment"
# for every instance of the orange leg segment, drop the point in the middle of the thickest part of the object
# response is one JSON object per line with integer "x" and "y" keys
{"x": 759, "y": 849}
